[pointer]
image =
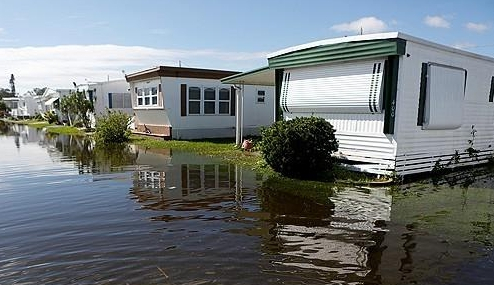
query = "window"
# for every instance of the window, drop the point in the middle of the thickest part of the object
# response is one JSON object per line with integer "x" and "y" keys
{"x": 224, "y": 101}
{"x": 140, "y": 100}
{"x": 119, "y": 100}
{"x": 442, "y": 91}
{"x": 261, "y": 94}
{"x": 194, "y": 100}
{"x": 209, "y": 101}
{"x": 147, "y": 96}
{"x": 154, "y": 96}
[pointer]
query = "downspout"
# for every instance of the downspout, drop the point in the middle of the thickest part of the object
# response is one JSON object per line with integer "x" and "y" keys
{"x": 239, "y": 114}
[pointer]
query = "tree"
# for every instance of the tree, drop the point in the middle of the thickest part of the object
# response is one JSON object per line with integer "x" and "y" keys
{"x": 12, "y": 85}
{"x": 3, "y": 108}
{"x": 39, "y": 91}
{"x": 4, "y": 93}
{"x": 77, "y": 108}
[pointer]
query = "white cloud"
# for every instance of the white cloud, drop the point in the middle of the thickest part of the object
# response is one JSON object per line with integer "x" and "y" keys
{"x": 477, "y": 27}
{"x": 59, "y": 66}
{"x": 464, "y": 45}
{"x": 367, "y": 25}
{"x": 436, "y": 22}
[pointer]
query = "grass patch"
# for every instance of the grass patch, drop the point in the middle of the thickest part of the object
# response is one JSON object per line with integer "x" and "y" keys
{"x": 64, "y": 130}
{"x": 222, "y": 148}
{"x": 50, "y": 128}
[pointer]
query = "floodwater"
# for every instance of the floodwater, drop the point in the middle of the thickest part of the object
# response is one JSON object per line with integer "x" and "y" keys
{"x": 71, "y": 213}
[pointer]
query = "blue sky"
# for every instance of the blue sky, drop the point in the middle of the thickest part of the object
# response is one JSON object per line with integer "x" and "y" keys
{"x": 53, "y": 42}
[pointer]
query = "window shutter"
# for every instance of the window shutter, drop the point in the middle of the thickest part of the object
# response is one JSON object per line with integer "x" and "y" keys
{"x": 183, "y": 99}
{"x": 109, "y": 101}
{"x": 134, "y": 97}
{"x": 491, "y": 94}
{"x": 160, "y": 96}
{"x": 423, "y": 90}
{"x": 233, "y": 97}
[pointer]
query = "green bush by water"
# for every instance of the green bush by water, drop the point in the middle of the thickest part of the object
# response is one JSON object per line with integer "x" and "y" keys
{"x": 300, "y": 148}
{"x": 112, "y": 128}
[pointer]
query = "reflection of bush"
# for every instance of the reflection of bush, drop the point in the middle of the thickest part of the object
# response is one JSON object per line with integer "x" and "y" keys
{"x": 91, "y": 158}
{"x": 4, "y": 128}
{"x": 112, "y": 156}
{"x": 288, "y": 198}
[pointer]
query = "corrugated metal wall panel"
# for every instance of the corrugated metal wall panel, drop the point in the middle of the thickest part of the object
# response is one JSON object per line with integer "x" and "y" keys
{"x": 337, "y": 88}
{"x": 426, "y": 146}
{"x": 360, "y": 138}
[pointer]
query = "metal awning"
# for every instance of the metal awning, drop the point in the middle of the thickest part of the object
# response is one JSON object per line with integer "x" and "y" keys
{"x": 50, "y": 101}
{"x": 260, "y": 76}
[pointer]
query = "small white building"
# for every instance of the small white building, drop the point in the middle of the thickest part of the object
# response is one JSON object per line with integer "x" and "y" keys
{"x": 398, "y": 103}
{"x": 110, "y": 95}
{"x": 28, "y": 105}
{"x": 13, "y": 104}
{"x": 192, "y": 103}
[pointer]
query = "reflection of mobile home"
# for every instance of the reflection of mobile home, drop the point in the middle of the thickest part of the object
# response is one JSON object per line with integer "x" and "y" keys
{"x": 398, "y": 103}
{"x": 346, "y": 240}
{"x": 186, "y": 176}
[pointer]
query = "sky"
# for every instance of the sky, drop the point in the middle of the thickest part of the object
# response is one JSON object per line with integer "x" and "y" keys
{"x": 52, "y": 43}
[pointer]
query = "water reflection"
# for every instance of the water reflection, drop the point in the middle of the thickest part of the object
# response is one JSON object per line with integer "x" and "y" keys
{"x": 131, "y": 215}
{"x": 21, "y": 133}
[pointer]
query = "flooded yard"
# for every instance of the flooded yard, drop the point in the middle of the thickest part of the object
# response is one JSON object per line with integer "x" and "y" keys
{"x": 71, "y": 213}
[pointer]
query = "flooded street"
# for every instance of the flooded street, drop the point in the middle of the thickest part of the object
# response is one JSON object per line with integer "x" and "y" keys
{"x": 71, "y": 213}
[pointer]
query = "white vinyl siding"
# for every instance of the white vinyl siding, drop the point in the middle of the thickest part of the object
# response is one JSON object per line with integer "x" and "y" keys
{"x": 346, "y": 88}
{"x": 445, "y": 94}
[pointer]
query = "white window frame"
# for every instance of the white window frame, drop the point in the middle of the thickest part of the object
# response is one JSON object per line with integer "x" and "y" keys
{"x": 202, "y": 101}
{"x": 194, "y": 100}
{"x": 228, "y": 102}
{"x": 147, "y": 96}
{"x": 214, "y": 101}
{"x": 261, "y": 94}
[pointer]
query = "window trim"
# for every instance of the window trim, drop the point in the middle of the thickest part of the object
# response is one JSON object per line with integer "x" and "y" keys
{"x": 148, "y": 92}
{"x": 194, "y": 100}
{"x": 224, "y": 100}
{"x": 203, "y": 101}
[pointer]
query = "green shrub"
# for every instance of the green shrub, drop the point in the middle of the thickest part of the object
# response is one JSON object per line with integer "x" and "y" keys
{"x": 112, "y": 128}
{"x": 300, "y": 148}
{"x": 51, "y": 117}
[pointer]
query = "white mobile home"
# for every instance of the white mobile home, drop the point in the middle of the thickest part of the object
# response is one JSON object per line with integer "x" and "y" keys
{"x": 398, "y": 103}
{"x": 111, "y": 95}
{"x": 191, "y": 103}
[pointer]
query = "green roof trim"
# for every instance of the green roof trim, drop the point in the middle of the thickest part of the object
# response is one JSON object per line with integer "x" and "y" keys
{"x": 239, "y": 75}
{"x": 339, "y": 52}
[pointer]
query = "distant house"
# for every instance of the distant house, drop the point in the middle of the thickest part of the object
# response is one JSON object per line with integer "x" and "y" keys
{"x": 398, "y": 103}
{"x": 110, "y": 95}
{"x": 13, "y": 104}
{"x": 50, "y": 99}
{"x": 191, "y": 103}
{"x": 28, "y": 105}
